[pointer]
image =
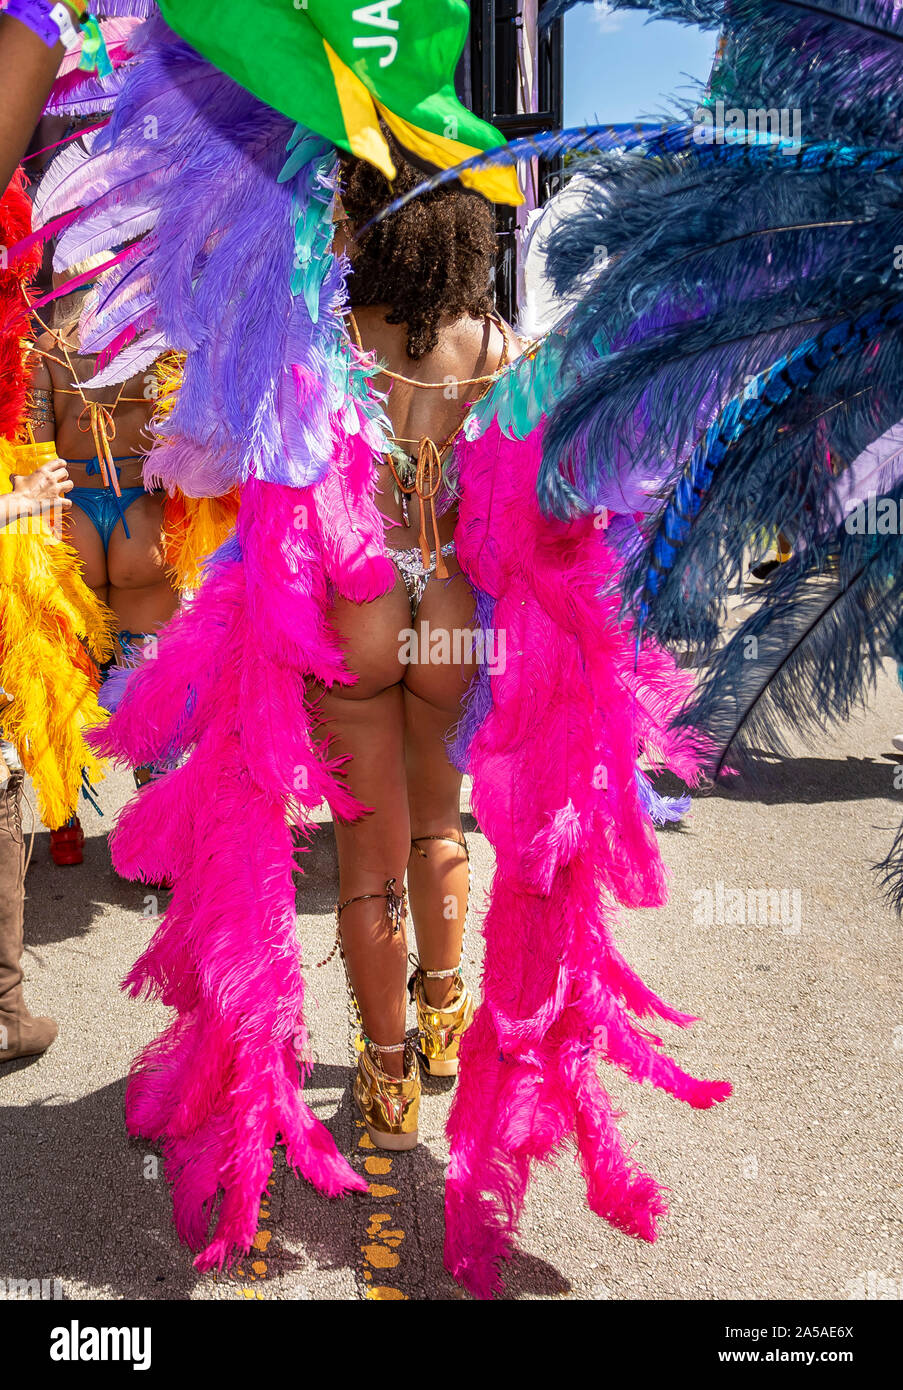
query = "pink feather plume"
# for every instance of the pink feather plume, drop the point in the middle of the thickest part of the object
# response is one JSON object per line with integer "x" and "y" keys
{"x": 554, "y": 790}
{"x": 221, "y": 1086}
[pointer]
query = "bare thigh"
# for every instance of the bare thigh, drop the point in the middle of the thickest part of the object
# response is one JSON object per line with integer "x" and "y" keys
{"x": 141, "y": 593}
{"x": 80, "y": 533}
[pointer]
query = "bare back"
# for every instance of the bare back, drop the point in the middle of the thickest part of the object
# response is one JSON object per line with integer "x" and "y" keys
{"x": 130, "y": 405}
{"x": 467, "y": 348}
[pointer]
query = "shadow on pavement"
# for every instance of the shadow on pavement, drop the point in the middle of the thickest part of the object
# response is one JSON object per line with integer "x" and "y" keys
{"x": 85, "y": 1204}
{"x": 336, "y": 1234}
{"x": 63, "y": 903}
{"x": 88, "y": 1206}
{"x": 806, "y": 780}
{"x": 317, "y": 878}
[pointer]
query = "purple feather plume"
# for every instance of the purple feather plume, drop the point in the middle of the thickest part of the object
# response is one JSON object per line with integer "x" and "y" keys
{"x": 213, "y": 273}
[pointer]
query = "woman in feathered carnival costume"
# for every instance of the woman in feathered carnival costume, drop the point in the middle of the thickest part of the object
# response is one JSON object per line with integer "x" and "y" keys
{"x": 136, "y": 546}
{"x": 287, "y": 663}
{"x": 753, "y": 294}
{"x": 115, "y": 524}
{"x": 56, "y": 631}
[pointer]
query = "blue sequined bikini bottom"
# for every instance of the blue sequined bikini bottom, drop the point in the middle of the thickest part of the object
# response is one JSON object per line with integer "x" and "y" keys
{"x": 101, "y": 505}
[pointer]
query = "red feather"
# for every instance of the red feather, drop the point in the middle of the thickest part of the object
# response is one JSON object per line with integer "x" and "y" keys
{"x": 15, "y": 223}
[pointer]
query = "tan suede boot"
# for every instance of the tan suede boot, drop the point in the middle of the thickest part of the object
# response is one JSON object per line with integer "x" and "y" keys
{"x": 20, "y": 1034}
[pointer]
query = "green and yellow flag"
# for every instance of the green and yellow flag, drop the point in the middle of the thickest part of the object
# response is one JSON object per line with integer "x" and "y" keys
{"x": 337, "y": 67}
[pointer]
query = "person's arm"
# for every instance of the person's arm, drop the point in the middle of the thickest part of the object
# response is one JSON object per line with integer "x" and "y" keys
{"x": 36, "y": 492}
{"x": 27, "y": 71}
{"x": 40, "y": 488}
{"x": 39, "y": 412}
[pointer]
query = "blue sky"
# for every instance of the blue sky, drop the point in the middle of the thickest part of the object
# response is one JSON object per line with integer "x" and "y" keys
{"x": 617, "y": 67}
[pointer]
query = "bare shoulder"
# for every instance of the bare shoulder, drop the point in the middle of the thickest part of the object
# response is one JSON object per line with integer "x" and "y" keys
{"x": 483, "y": 344}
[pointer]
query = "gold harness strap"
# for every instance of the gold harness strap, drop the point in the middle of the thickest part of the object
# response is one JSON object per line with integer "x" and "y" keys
{"x": 426, "y": 485}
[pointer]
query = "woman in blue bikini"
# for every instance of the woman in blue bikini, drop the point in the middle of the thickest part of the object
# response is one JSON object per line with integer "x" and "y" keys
{"x": 116, "y": 530}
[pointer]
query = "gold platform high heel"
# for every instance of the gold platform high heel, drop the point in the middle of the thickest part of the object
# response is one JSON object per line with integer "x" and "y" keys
{"x": 440, "y": 1030}
{"x": 389, "y": 1105}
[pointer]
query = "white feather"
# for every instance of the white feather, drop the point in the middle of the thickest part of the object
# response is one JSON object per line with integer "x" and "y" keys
{"x": 91, "y": 235}
{"x": 132, "y": 360}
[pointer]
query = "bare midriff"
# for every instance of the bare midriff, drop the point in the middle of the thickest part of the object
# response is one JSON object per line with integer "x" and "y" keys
{"x": 130, "y": 472}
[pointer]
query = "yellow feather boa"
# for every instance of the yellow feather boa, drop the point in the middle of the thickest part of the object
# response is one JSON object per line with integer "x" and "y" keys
{"x": 51, "y": 625}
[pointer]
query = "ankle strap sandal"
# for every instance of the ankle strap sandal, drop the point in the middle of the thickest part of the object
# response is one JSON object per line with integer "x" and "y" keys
{"x": 388, "y": 1105}
{"x": 396, "y": 912}
{"x": 440, "y": 1030}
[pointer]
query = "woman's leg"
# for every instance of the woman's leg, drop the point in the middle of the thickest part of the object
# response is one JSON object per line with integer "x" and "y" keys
{"x": 438, "y": 871}
{"x": 141, "y": 594}
{"x": 365, "y": 723}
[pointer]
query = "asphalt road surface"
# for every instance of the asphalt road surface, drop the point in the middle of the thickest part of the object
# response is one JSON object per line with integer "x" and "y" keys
{"x": 790, "y": 1190}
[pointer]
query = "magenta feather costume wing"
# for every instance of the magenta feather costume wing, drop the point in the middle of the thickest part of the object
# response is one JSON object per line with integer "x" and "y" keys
{"x": 571, "y": 707}
{"x": 234, "y": 269}
{"x": 231, "y": 205}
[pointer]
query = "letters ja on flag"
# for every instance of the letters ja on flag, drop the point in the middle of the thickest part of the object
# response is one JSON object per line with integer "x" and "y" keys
{"x": 339, "y": 68}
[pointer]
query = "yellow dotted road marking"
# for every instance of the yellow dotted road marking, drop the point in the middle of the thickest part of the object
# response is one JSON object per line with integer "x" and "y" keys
{"x": 383, "y": 1236}
{"x": 379, "y": 1257}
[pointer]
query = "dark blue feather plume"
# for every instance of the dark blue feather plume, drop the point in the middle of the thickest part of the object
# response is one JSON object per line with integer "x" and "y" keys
{"x": 739, "y": 473}
{"x": 809, "y": 654}
{"x": 545, "y": 145}
{"x": 731, "y": 262}
{"x": 808, "y": 657}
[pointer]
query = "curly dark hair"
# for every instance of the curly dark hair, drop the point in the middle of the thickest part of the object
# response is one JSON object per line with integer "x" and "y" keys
{"x": 433, "y": 257}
